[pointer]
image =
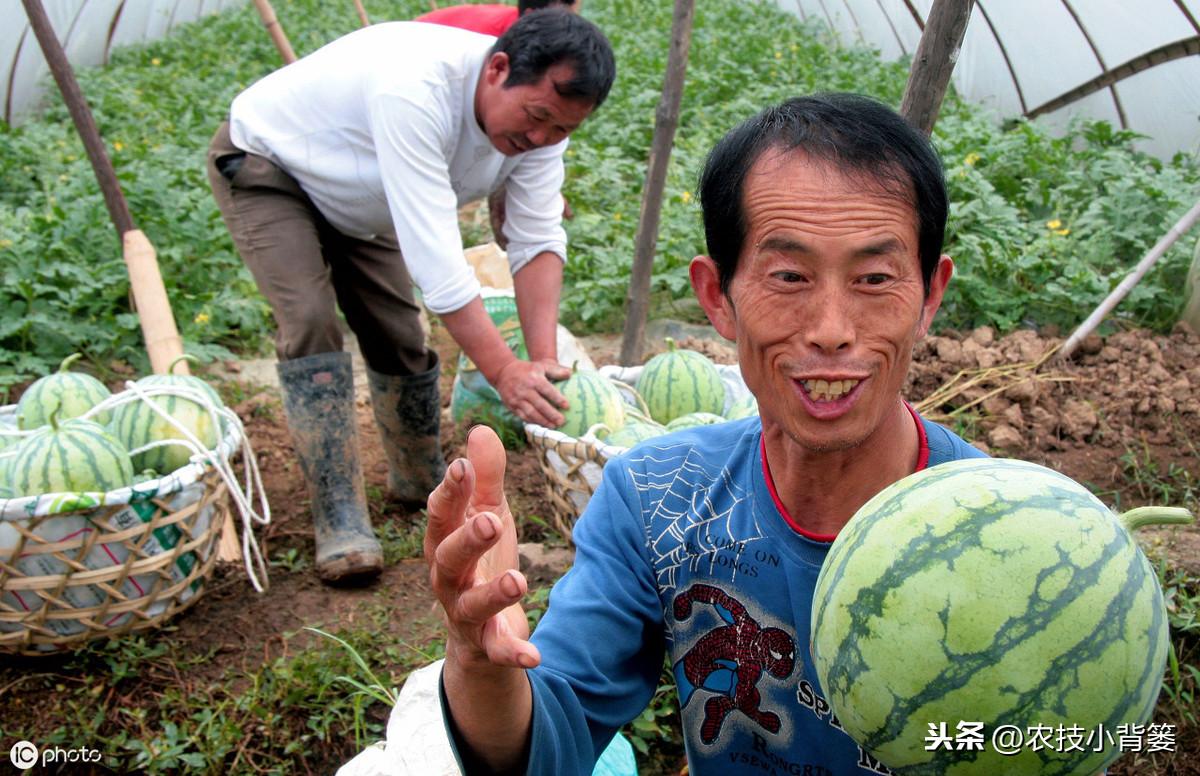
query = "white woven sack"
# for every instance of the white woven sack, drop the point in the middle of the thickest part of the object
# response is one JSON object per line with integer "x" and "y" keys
{"x": 417, "y": 742}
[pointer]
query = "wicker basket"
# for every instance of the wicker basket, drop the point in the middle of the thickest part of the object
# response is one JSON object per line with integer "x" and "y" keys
{"x": 80, "y": 566}
{"x": 573, "y": 466}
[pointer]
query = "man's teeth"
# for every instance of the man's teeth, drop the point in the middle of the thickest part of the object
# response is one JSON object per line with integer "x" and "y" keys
{"x": 824, "y": 390}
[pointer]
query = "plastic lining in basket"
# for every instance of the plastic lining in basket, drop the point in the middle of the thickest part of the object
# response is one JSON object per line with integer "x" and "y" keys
{"x": 80, "y": 566}
{"x": 573, "y": 466}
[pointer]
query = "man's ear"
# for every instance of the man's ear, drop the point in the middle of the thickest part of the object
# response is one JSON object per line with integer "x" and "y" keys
{"x": 496, "y": 69}
{"x": 937, "y": 289}
{"x": 706, "y": 283}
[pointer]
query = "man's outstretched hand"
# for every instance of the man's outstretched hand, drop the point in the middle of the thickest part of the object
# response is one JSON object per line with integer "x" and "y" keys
{"x": 471, "y": 549}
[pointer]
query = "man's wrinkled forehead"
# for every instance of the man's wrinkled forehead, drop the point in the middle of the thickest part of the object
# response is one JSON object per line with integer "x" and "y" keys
{"x": 777, "y": 162}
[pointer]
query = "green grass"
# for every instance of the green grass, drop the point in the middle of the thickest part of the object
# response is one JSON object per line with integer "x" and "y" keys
{"x": 1041, "y": 228}
{"x": 303, "y": 712}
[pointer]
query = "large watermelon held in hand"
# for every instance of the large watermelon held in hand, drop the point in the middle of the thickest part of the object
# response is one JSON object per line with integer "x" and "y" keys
{"x": 996, "y": 592}
{"x": 679, "y": 382}
{"x": 75, "y": 456}
{"x": 70, "y": 393}
{"x": 592, "y": 399}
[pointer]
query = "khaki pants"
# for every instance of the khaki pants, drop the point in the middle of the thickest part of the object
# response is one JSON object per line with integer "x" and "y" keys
{"x": 307, "y": 269}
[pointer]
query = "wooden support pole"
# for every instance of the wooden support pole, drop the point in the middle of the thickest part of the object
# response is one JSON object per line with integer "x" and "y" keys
{"x": 666, "y": 121}
{"x": 362, "y": 13}
{"x": 934, "y": 62}
{"x": 163, "y": 343}
{"x": 275, "y": 30}
{"x": 1181, "y": 226}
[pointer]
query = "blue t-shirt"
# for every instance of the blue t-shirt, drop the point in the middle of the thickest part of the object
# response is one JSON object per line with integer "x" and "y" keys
{"x": 684, "y": 549}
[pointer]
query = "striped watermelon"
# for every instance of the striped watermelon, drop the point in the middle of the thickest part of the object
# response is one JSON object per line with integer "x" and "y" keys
{"x": 74, "y": 456}
{"x": 8, "y": 449}
{"x": 137, "y": 424}
{"x": 632, "y": 433}
{"x": 71, "y": 393}
{"x": 745, "y": 407}
{"x": 185, "y": 381}
{"x": 990, "y": 591}
{"x": 592, "y": 399}
{"x": 693, "y": 419}
{"x": 680, "y": 381}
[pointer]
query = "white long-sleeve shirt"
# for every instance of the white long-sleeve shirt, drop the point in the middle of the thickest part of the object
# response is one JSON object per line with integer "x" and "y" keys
{"x": 379, "y": 129}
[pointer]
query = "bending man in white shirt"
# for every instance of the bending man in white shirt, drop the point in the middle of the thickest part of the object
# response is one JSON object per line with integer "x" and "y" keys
{"x": 339, "y": 178}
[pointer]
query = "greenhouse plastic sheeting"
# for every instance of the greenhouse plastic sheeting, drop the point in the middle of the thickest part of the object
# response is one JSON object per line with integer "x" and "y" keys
{"x": 88, "y": 30}
{"x": 1134, "y": 64}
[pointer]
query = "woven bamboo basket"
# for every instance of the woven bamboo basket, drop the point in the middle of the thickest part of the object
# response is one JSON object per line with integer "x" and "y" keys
{"x": 573, "y": 466}
{"x": 81, "y": 566}
{"x": 112, "y": 572}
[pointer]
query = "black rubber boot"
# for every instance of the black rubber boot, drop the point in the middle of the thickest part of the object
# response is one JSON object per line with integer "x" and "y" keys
{"x": 408, "y": 413}
{"x": 318, "y": 397}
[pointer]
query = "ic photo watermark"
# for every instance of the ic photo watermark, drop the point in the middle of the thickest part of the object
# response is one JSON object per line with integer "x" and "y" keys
{"x": 25, "y": 754}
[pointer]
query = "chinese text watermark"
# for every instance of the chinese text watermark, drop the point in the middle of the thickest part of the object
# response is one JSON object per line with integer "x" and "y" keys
{"x": 1011, "y": 739}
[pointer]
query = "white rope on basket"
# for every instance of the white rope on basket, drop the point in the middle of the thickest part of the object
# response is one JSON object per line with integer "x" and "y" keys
{"x": 243, "y": 496}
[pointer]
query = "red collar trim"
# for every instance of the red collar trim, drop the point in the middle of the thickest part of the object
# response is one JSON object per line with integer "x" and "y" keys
{"x": 922, "y": 462}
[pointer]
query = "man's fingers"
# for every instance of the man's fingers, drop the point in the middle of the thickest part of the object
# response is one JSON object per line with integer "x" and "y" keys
{"x": 483, "y": 601}
{"x": 506, "y": 648}
{"x": 556, "y": 371}
{"x": 540, "y": 411}
{"x": 488, "y": 459}
{"x": 455, "y": 558}
{"x": 553, "y": 395}
{"x": 447, "y": 504}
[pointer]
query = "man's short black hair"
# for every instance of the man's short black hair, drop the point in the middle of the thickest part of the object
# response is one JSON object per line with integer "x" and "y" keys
{"x": 544, "y": 38}
{"x": 533, "y": 5}
{"x": 852, "y": 133}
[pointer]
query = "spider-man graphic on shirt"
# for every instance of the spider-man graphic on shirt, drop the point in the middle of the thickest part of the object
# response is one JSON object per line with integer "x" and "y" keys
{"x": 730, "y": 660}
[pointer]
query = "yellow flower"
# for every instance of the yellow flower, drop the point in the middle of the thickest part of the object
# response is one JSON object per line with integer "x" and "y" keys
{"x": 118, "y": 146}
{"x": 616, "y": 216}
{"x": 971, "y": 159}
{"x": 5, "y": 244}
{"x": 201, "y": 319}
{"x": 686, "y": 197}
{"x": 1064, "y": 231}
{"x": 156, "y": 61}
{"x": 779, "y": 55}
{"x": 1053, "y": 224}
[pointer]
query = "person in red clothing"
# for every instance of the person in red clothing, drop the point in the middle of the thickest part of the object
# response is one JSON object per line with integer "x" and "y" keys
{"x": 494, "y": 19}
{"x": 490, "y": 19}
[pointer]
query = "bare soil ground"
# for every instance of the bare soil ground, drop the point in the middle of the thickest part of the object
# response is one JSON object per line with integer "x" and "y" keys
{"x": 1124, "y": 417}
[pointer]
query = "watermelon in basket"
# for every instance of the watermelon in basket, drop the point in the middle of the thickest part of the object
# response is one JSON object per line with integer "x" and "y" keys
{"x": 88, "y": 549}
{"x": 573, "y": 463}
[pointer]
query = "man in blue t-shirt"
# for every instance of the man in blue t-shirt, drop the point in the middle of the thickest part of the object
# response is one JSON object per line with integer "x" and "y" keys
{"x": 824, "y": 220}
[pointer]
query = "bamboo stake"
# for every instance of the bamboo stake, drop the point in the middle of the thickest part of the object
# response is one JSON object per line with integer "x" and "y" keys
{"x": 163, "y": 343}
{"x": 362, "y": 13}
{"x": 275, "y": 30}
{"x": 934, "y": 62}
{"x": 1113, "y": 299}
{"x": 666, "y": 120}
